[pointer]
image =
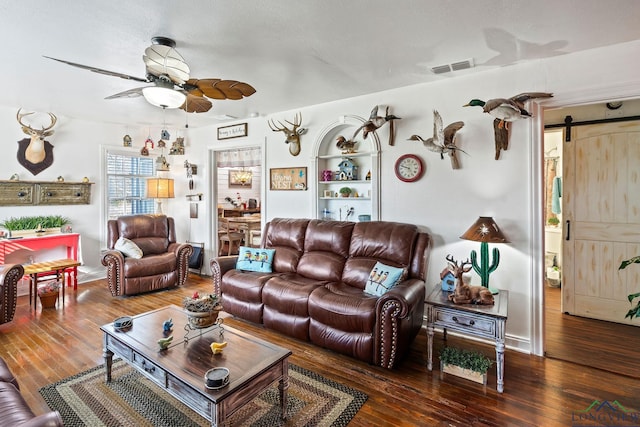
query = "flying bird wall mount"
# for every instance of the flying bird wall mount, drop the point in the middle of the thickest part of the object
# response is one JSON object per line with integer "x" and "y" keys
{"x": 375, "y": 122}
{"x": 166, "y": 69}
{"x": 443, "y": 139}
{"x": 506, "y": 110}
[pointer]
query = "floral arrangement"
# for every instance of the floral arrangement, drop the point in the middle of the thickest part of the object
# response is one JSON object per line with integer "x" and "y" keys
{"x": 201, "y": 304}
{"x": 48, "y": 287}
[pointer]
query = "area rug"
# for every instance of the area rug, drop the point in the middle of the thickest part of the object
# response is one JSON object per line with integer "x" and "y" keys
{"x": 132, "y": 400}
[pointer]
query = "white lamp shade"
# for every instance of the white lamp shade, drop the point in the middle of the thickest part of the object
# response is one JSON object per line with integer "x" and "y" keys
{"x": 163, "y": 97}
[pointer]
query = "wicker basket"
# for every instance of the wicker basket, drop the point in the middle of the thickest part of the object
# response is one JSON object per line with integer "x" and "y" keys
{"x": 199, "y": 320}
{"x": 49, "y": 299}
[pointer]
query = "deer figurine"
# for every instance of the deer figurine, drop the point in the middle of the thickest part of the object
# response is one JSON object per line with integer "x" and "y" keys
{"x": 463, "y": 293}
{"x": 34, "y": 153}
{"x": 293, "y": 134}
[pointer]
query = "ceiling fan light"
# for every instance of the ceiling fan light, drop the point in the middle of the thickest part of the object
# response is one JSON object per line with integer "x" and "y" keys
{"x": 163, "y": 97}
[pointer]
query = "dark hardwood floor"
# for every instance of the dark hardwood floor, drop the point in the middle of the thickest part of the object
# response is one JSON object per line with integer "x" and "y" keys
{"x": 44, "y": 347}
{"x": 605, "y": 345}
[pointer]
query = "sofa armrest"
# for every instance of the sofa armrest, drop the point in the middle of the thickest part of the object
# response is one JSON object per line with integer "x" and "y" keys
{"x": 219, "y": 266}
{"x": 50, "y": 419}
{"x": 399, "y": 314}
{"x": 114, "y": 261}
{"x": 10, "y": 274}
{"x": 183, "y": 252}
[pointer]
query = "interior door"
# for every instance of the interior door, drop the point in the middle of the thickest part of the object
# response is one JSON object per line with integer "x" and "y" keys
{"x": 601, "y": 213}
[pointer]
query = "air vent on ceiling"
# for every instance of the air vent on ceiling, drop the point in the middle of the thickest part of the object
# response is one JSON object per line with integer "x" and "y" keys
{"x": 454, "y": 66}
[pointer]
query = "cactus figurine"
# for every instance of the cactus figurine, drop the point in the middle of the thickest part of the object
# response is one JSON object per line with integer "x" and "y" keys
{"x": 483, "y": 269}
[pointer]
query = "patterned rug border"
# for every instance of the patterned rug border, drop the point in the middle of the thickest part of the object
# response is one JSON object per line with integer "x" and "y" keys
{"x": 260, "y": 412}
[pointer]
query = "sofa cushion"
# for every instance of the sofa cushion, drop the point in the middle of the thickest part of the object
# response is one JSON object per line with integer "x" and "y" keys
{"x": 382, "y": 278}
{"x": 255, "y": 259}
{"x": 128, "y": 248}
{"x": 390, "y": 243}
{"x": 286, "y": 236}
{"x": 326, "y": 247}
{"x": 343, "y": 307}
{"x": 150, "y": 265}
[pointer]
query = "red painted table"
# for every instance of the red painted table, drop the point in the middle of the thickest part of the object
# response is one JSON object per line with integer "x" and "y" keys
{"x": 71, "y": 241}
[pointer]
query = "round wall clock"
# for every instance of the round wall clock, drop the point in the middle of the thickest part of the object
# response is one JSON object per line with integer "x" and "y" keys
{"x": 409, "y": 168}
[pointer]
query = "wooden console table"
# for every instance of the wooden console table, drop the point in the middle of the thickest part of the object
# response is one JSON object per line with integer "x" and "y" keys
{"x": 484, "y": 321}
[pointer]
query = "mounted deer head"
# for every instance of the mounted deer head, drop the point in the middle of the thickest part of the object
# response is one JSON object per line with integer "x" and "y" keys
{"x": 35, "y": 153}
{"x": 293, "y": 134}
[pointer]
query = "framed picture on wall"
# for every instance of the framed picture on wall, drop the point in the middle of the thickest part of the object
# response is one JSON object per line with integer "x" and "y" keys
{"x": 288, "y": 178}
{"x": 233, "y": 131}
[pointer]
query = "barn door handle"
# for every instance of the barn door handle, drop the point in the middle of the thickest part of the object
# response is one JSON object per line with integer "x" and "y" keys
{"x": 568, "y": 230}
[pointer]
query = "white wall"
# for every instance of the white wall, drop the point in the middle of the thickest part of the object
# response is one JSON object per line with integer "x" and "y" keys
{"x": 444, "y": 202}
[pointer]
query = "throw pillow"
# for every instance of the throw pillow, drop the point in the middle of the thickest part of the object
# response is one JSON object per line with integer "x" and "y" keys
{"x": 255, "y": 259}
{"x": 128, "y": 248}
{"x": 382, "y": 278}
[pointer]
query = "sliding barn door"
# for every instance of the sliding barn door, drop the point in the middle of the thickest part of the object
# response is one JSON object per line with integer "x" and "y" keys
{"x": 601, "y": 214}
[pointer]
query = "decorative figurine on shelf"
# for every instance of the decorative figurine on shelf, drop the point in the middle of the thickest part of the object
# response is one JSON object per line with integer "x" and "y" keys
{"x": 463, "y": 293}
{"x": 126, "y": 141}
{"x": 60, "y": 178}
{"x": 506, "y": 110}
{"x": 14, "y": 177}
{"x": 348, "y": 170}
{"x": 348, "y": 146}
{"x": 443, "y": 139}
{"x": 164, "y": 343}
{"x": 167, "y": 325}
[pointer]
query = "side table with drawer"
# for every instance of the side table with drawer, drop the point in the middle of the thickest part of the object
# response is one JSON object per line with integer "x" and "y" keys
{"x": 482, "y": 321}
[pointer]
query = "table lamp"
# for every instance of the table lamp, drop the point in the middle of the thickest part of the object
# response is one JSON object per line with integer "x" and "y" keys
{"x": 160, "y": 188}
{"x": 485, "y": 230}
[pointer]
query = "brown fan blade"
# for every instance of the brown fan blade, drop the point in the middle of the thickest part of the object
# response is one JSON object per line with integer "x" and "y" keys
{"x": 222, "y": 89}
{"x": 100, "y": 70}
{"x": 196, "y": 104}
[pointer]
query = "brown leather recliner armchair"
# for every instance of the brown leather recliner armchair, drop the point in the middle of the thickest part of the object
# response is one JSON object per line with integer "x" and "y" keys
{"x": 164, "y": 262}
{"x": 14, "y": 410}
{"x": 10, "y": 274}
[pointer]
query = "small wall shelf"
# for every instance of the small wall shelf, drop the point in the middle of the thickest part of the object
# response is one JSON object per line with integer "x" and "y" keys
{"x": 30, "y": 193}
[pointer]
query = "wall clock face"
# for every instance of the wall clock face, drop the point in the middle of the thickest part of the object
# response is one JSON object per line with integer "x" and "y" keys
{"x": 409, "y": 168}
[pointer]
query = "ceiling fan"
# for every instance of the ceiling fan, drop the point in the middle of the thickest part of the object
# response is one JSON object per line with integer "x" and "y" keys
{"x": 172, "y": 86}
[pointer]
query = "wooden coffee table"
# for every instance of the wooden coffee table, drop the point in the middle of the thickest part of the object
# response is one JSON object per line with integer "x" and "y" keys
{"x": 254, "y": 364}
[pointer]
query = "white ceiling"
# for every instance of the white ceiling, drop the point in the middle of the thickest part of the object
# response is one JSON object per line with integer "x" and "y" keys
{"x": 295, "y": 53}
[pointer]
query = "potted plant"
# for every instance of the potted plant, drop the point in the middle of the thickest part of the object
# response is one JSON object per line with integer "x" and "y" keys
{"x": 202, "y": 311}
{"x": 553, "y": 221}
{"x": 468, "y": 364}
{"x": 31, "y": 224}
{"x": 634, "y": 311}
{"x": 345, "y": 191}
{"x": 48, "y": 293}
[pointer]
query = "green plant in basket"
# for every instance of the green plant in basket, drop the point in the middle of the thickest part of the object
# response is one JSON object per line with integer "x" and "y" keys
{"x": 201, "y": 304}
{"x": 34, "y": 222}
{"x": 466, "y": 359}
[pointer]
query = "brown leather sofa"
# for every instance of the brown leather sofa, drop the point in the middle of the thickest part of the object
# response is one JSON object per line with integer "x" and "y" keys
{"x": 316, "y": 290}
{"x": 14, "y": 410}
{"x": 164, "y": 263}
{"x": 10, "y": 274}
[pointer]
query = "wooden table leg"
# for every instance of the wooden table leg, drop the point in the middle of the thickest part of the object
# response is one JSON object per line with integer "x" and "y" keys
{"x": 430, "y": 347}
{"x": 283, "y": 387}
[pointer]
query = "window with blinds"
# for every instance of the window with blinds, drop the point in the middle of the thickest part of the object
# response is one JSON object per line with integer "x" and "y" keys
{"x": 126, "y": 184}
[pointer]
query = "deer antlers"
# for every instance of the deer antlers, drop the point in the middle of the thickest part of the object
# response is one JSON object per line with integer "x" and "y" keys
{"x": 31, "y": 131}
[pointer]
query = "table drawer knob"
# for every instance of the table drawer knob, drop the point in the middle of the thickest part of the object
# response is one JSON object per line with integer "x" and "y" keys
{"x": 150, "y": 370}
{"x": 471, "y": 322}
